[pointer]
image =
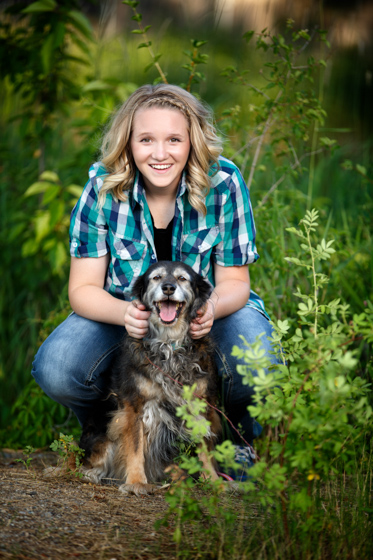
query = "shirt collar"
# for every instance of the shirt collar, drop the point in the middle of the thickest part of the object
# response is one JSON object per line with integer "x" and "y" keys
{"x": 138, "y": 191}
{"x": 182, "y": 185}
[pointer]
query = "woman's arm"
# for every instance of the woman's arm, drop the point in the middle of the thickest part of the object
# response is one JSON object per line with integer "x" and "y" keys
{"x": 232, "y": 290}
{"x": 89, "y": 299}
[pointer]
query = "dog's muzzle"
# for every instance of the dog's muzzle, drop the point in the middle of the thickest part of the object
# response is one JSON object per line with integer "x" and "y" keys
{"x": 168, "y": 310}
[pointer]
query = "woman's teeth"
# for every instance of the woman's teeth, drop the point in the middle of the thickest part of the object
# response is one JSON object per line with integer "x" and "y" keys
{"x": 165, "y": 166}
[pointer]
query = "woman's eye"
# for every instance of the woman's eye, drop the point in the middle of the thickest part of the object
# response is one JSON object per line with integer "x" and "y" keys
{"x": 174, "y": 140}
{"x": 145, "y": 140}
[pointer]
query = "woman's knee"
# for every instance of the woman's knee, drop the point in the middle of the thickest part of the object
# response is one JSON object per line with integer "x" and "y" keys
{"x": 247, "y": 323}
{"x": 53, "y": 369}
{"x": 74, "y": 356}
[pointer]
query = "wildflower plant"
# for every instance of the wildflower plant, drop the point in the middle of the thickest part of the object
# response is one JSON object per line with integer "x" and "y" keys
{"x": 70, "y": 453}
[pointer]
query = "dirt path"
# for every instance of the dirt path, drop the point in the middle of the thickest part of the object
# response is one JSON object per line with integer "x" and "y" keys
{"x": 66, "y": 518}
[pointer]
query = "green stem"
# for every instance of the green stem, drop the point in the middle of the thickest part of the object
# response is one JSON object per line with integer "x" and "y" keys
{"x": 193, "y": 65}
{"x": 316, "y": 127}
{"x": 314, "y": 279}
{"x": 151, "y": 52}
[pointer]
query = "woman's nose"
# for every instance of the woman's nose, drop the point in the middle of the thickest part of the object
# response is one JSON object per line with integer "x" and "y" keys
{"x": 159, "y": 151}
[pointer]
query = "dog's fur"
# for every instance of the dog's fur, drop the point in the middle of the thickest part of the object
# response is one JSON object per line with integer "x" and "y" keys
{"x": 134, "y": 439}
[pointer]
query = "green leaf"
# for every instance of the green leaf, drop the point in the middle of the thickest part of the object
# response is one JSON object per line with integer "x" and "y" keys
{"x": 297, "y": 232}
{"x": 42, "y": 225}
{"x": 30, "y": 248}
{"x": 59, "y": 256}
{"x": 50, "y": 194}
{"x": 40, "y": 6}
{"x": 80, "y": 22}
{"x": 248, "y": 36}
{"x": 148, "y": 66}
{"x": 143, "y": 45}
{"x": 46, "y": 54}
{"x": 329, "y": 142}
{"x": 361, "y": 169}
{"x": 96, "y": 85}
{"x": 57, "y": 210}
{"x": 283, "y": 326}
{"x": 38, "y": 187}
{"x": 294, "y": 260}
{"x": 50, "y": 176}
{"x": 198, "y": 44}
{"x": 75, "y": 190}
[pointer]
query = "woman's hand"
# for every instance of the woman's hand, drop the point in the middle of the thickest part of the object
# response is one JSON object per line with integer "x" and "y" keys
{"x": 231, "y": 292}
{"x": 202, "y": 324}
{"x": 136, "y": 319}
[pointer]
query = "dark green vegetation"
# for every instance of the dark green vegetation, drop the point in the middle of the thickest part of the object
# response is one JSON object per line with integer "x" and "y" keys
{"x": 60, "y": 84}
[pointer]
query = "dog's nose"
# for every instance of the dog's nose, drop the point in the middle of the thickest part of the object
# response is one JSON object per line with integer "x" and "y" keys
{"x": 168, "y": 288}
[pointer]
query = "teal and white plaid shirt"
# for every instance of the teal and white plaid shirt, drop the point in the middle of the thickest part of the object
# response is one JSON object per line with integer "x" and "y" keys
{"x": 226, "y": 235}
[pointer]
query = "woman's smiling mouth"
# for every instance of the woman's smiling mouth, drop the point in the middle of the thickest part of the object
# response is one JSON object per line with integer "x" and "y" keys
{"x": 160, "y": 166}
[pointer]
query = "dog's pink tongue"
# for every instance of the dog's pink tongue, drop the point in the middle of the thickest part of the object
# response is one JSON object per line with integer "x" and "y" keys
{"x": 168, "y": 311}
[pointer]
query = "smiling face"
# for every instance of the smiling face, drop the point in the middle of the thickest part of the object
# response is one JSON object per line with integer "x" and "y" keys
{"x": 160, "y": 146}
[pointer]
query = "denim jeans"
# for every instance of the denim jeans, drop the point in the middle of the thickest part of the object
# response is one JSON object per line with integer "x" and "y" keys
{"x": 71, "y": 363}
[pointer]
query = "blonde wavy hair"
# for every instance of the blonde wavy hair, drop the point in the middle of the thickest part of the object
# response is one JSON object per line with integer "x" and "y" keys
{"x": 205, "y": 148}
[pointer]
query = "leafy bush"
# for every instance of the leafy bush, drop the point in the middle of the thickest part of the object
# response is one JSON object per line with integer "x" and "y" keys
{"x": 317, "y": 451}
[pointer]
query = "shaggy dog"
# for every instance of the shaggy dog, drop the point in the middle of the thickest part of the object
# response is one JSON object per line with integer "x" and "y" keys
{"x": 133, "y": 434}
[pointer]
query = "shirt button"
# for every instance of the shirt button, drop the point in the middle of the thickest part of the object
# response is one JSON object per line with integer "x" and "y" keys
{"x": 153, "y": 257}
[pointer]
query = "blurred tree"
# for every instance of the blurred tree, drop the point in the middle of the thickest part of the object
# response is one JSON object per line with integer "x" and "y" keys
{"x": 36, "y": 45}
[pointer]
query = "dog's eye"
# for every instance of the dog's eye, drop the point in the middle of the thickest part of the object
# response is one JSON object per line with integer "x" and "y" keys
{"x": 157, "y": 277}
{"x": 182, "y": 279}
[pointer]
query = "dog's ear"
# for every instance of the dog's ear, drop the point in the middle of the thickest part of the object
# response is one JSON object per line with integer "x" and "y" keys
{"x": 139, "y": 287}
{"x": 203, "y": 290}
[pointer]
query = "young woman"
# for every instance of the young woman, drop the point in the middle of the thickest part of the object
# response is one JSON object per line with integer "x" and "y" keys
{"x": 161, "y": 192}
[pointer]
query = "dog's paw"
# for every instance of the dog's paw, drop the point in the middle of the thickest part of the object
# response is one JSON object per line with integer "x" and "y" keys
{"x": 138, "y": 488}
{"x": 50, "y": 472}
{"x": 90, "y": 475}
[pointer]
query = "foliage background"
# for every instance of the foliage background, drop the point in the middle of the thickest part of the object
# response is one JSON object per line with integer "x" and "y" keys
{"x": 65, "y": 66}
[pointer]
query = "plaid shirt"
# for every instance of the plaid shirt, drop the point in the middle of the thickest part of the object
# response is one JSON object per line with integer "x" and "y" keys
{"x": 226, "y": 235}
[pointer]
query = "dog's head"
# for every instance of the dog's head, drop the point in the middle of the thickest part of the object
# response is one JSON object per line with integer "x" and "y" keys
{"x": 173, "y": 292}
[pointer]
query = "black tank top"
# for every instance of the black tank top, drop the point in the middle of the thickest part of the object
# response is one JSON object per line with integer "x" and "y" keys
{"x": 162, "y": 241}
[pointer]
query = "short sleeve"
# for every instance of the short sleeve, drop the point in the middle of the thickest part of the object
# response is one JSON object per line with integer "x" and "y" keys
{"x": 236, "y": 223}
{"x": 88, "y": 226}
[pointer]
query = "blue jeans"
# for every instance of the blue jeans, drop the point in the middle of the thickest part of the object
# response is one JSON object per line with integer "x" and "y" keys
{"x": 71, "y": 363}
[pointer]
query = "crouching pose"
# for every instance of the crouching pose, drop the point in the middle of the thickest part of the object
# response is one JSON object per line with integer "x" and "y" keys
{"x": 161, "y": 192}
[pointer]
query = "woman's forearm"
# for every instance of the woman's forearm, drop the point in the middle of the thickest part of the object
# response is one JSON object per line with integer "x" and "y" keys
{"x": 229, "y": 296}
{"x": 95, "y": 303}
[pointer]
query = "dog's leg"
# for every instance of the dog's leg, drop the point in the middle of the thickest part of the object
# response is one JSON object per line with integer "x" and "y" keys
{"x": 209, "y": 464}
{"x": 128, "y": 429}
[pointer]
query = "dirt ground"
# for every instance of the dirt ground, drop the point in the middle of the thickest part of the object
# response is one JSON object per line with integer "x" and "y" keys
{"x": 66, "y": 518}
